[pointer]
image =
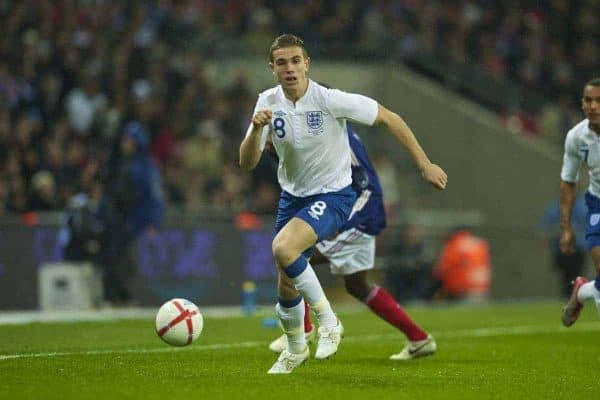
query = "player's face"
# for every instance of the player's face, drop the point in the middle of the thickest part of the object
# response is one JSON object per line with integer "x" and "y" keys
{"x": 290, "y": 67}
{"x": 590, "y": 103}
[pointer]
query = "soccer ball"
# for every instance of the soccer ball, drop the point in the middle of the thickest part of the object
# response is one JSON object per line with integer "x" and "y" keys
{"x": 179, "y": 322}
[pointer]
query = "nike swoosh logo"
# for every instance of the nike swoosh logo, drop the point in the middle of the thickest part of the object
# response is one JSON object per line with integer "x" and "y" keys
{"x": 413, "y": 351}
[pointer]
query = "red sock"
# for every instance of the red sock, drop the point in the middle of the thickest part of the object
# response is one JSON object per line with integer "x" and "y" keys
{"x": 383, "y": 304}
{"x": 307, "y": 324}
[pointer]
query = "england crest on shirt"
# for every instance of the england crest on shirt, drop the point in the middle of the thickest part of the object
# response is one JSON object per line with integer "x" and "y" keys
{"x": 314, "y": 120}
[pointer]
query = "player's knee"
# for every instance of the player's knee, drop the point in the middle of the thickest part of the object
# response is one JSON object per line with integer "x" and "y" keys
{"x": 281, "y": 253}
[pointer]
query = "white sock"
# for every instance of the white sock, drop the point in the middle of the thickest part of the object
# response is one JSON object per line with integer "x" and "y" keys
{"x": 588, "y": 291}
{"x": 292, "y": 320}
{"x": 308, "y": 285}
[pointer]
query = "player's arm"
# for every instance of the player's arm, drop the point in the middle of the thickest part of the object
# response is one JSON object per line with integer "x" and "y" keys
{"x": 432, "y": 173}
{"x": 567, "y": 199}
{"x": 250, "y": 149}
{"x": 569, "y": 176}
{"x": 367, "y": 111}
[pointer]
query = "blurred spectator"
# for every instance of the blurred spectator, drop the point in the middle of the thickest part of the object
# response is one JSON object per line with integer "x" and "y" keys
{"x": 83, "y": 226}
{"x": 135, "y": 206}
{"x": 463, "y": 268}
{"x": 74, "y": 71}
{"x": 43, "y": 192}
{"x": 390, "y": 182}
{"x": 84, "y": 103}
{"x": 557, "y": 118}
{"x": 229, "y": 190}
{"x": 261, "y": 25}
{"x": 203, "y": 150}
{"x": 567, "y": 266}
{"x": 409, "y": 274}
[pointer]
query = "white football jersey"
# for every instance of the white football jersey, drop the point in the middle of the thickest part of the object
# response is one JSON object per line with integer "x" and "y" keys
{"x": 310, "y": 136}
{"x": 582, "y": 145}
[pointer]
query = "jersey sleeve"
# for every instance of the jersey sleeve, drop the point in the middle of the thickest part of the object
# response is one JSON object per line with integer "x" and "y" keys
{"x": 260, "y": 105}
{"x": 572, "y": 160}
{"x": 355, "y": 107}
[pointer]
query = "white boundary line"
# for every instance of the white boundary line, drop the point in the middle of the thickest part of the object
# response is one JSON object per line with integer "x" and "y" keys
{"x": 479, "y": 332}
{"x": 28, "y": 317}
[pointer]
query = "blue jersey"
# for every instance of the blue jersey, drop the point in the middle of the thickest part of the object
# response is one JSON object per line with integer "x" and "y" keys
{"x": 368, "y": 214}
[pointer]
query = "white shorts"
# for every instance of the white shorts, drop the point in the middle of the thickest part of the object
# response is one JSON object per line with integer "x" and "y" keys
{"x": 349, "y": 252}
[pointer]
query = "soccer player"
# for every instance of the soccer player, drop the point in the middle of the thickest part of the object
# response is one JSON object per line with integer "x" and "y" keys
{"x": 306, "y": 124}
{"x": 352, "y": 254}
{"x": 582, "y": 146}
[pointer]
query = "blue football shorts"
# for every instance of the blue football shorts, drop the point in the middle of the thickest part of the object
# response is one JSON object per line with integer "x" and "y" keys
{"x": 592, "y": 229}
{"x": 325, "y": 213}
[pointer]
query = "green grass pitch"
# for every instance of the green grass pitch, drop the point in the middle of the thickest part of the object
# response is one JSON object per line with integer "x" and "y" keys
{"x": 506, "y": 351}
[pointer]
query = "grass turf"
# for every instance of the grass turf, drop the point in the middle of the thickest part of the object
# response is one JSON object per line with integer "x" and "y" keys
{"x": 509, "y": 351}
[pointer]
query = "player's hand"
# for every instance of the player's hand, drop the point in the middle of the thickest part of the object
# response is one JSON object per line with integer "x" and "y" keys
{"x": 567, "y": 240}
{"x": 261, "y": 118}
{"x": 435, "y": 175}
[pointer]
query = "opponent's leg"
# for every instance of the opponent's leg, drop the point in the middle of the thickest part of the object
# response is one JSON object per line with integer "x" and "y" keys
{"x": 383, "y": 304}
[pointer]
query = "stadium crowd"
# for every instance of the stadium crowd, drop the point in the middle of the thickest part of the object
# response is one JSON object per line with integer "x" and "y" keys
{"x": 73, "y": 73}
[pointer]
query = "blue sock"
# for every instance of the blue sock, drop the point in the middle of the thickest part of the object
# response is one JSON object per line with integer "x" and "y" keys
{"x": 287, "y": 303}
{"x": 296, "y": 268}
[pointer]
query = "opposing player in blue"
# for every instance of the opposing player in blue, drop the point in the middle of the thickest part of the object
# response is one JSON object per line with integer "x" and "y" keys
{"x": 352, "y": 254}
{"x": 306, "y": 123}
{"x": 581, "y": 146}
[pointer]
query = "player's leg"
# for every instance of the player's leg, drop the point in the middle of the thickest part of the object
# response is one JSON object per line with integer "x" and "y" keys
{"x": 352, "y": 254}
{"x": 291, "y": 241}
{"x": 570, "y": 266}
{"x": 583, "y": 290}
{"x": 382, "y": 303}
{"x": 280, "y": 344}
{"x": 301, "y": 222}
{"x": 288, "y": 246}
{"x": 291, "y": 314}
{"x": 286, "y": 289}
{"x": 295, "y": 237}
{"x": 290, "y": 309}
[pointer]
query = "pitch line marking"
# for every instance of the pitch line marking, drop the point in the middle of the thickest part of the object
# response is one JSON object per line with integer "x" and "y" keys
{"x": 479, "y": 332}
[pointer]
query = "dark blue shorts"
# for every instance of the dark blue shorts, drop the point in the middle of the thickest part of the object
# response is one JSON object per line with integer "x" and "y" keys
{"x": 325, "y": 213}
{"x": 592, "y": 229}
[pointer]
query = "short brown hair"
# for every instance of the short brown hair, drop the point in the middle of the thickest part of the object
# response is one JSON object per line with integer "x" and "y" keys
{"x": 287, "y": 40}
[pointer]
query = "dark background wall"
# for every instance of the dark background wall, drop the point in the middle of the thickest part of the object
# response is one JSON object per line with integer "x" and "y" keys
{"x": 206, "y": 263}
